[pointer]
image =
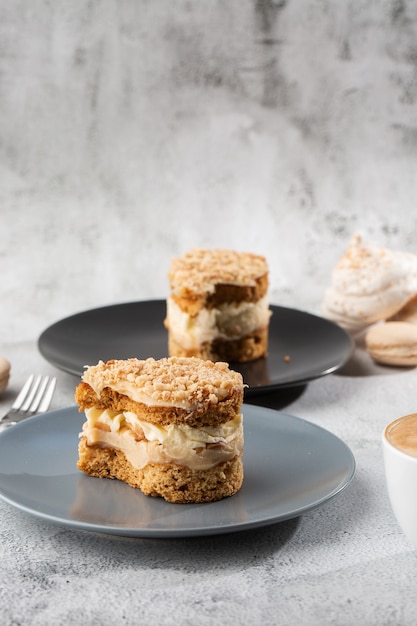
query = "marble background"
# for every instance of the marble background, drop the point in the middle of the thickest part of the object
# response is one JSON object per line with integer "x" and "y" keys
{"x": 132, "y": 130}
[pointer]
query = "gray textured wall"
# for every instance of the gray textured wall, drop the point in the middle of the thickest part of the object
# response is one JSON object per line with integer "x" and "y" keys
{"x": 132, "y": 130}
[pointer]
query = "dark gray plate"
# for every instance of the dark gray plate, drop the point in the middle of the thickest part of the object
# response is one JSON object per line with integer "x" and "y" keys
{"x": 316, "y": 346}
{"x": 291, "y": 466}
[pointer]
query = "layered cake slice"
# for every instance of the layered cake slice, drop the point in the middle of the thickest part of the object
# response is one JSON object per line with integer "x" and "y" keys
{"x": 218, "y": 307}
{"x": 170, "y": 427}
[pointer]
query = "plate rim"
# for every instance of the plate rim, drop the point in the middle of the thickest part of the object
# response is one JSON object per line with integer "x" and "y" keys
{"x": 197, "y": 531}
{"x": 250, "y": 390}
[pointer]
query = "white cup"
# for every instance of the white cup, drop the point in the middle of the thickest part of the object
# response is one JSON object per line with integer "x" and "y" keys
{"x": 399, "y": 444}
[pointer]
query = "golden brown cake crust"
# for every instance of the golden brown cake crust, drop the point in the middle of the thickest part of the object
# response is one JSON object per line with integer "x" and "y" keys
{"x": 172, "y": 482}
{"x": 252, "y": 346}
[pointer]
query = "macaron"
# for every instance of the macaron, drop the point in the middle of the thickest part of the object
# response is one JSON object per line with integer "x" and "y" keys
{"x": 4, "y": 373}
{"x": 393, "y": 343}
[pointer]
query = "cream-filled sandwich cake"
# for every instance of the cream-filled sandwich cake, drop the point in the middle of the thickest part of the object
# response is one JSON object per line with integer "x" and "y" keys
{"x": 218, "y": 307}
{"x": 170, "y": 427}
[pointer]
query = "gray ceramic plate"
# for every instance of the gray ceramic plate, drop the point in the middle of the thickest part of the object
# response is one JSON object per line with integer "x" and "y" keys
{"x": 291, "y": 466}
{"x": 316, "y": 346}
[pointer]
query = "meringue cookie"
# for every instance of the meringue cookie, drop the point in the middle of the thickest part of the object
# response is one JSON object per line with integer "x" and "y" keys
{"x": 370, "y": 283}
{"x": 408, "y": 313}
{"x": 4, "y": 373}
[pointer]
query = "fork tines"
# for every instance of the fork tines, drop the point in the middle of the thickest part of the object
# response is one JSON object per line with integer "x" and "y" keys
{"x": 36, "y": 394}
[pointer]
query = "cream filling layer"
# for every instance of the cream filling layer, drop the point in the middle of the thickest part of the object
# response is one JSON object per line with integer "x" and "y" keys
{"x": 143, "y": 443}
{"x": 229, "y": 321}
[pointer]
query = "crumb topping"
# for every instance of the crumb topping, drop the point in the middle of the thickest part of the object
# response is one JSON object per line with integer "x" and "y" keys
{"x": 174, "y": 380}
{"x": 198, "y": 271}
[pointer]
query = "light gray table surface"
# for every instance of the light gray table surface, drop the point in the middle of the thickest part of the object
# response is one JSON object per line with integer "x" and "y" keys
{"x": 346, "y": 562}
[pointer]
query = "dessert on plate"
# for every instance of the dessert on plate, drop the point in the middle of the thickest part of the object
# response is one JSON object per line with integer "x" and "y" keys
{"x": 369, "y": 283}
{"x": 218, "y": 305}
{"x": 171, "y": 427}
{"x": 408, "y": 313}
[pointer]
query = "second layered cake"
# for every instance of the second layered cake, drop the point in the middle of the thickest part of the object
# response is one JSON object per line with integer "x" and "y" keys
{"x": 218, "y": 305}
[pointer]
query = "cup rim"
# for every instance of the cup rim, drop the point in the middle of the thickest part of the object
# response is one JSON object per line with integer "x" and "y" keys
{"x": 391, "y": 446}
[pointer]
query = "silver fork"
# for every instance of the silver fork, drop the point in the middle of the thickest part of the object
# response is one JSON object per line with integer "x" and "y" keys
{"x": 35, "y": 397}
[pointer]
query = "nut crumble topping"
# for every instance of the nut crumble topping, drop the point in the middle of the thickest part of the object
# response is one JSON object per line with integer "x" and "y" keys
{"x": 170, "y": 380}
{"x": 198, "y": 271}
